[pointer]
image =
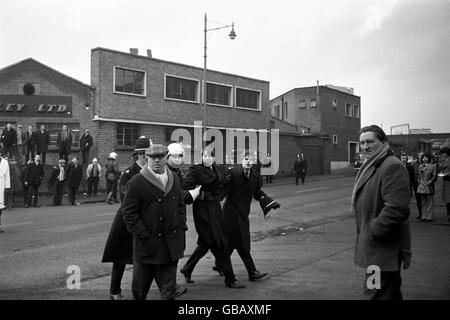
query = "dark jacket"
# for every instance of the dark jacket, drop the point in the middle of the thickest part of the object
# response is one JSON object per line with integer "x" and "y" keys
{"x": 86, "y": 142}
{"x": 119, "y": 245}
{"x": 35, "y": 174}
{"x": 300, "y": 166}
{"x": 112, "y": 172}
{"x": 207, "y": 211}
{"x": 74, "y": 175}
{"x": 29, "y": 142}
{"x": 382, "y": 212}
{"x": 42, "y": 141}
{"x": 9, "y": 137}
{"x": 64, "y": 146}
{"x": 153, "y": 215}
{"x": 55, "y": 174}
{"x": 236, "y": 209}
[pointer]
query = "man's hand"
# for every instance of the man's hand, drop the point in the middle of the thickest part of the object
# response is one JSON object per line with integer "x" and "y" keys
{"x": 406, "y": 257}
{"x": 195, "y": 192}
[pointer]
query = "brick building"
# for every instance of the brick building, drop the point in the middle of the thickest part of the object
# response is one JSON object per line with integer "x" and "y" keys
{"x": 327, "y": 111}
{"x": 140, "y": 95}
{"x": 32, "y": 93}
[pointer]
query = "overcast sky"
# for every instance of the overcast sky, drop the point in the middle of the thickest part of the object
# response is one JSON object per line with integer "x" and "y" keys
{"x": 394, "y": 53}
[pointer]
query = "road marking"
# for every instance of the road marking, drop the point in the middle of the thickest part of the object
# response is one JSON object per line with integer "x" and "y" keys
{"x": 16, "y": 224}
{"x": 105, "y": 214}
{"x": 309, "y": 190}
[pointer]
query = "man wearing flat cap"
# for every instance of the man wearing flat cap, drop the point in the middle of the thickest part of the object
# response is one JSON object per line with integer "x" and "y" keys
{"x": 57, "y": 180}
{"x": 153, "y": 211}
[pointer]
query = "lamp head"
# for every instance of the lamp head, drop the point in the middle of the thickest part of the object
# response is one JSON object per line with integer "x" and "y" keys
{"x": 232, "y": 34}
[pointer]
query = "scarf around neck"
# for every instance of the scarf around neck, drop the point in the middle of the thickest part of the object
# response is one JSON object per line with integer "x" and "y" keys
{"x": 364, "y": 171}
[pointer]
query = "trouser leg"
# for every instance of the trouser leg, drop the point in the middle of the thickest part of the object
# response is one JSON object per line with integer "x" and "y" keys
{"x": 35, "y": 189}
{"x": 246, "y": 259}
{"x": 90, "y": 182}
{"x": 118, "y": 270}
{"x": 95, "y": 182}
{"x": 222, "y": 255}
{"x": 166, "y": 279}
{"x": 195, "y": 257}
{"x": 418, "y": 203}
{"x": 429, "y": 207}
{"x": 143, "y": 275}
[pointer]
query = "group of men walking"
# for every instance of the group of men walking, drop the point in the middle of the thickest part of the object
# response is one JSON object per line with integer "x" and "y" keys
{"x": 150, "y": 226}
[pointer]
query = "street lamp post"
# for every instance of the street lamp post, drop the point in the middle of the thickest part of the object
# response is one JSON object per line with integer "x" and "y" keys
{"x": 232, "y": 35}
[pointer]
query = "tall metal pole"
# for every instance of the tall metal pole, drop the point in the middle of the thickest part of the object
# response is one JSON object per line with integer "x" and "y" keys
{"x": 204, "y": 85}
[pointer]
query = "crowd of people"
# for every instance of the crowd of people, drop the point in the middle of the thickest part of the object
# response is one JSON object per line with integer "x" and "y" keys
{"x": 149, "y": 230}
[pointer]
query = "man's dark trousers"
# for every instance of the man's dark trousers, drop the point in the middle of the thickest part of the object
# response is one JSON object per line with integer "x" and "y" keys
{"x": 59, "y": 190}
{"x": 72, "y": 194}
{"x": 92, "y": 181}
{"x": 165, "y": 276}
{"x": 33, "y": 194}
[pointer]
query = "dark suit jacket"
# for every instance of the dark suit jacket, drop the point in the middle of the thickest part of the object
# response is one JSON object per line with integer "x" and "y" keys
{"x": 35, "y": 174}
{"x": 74, "y": 175}
{"x": 153, "y": 215}
{"x": 382, "y": 212}
{"x": 236, "y": 209}
{"x": 42, "y": 141}
{"x": 64, "y": 146}
{"x": 86, "y": 142}
{"x": 9, "y": 137}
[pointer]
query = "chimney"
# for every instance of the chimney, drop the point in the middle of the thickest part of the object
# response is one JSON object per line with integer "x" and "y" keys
{"x": 134, "y": 51}
{"x": 149, "y": 53}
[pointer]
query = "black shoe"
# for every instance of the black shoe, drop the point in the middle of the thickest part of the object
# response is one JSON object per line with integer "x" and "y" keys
{"x": 117, "y": 297}
{"x": 219, "y": 270}
{"x": 187, "y": 277}
{"x": 420, "y": 219}
{"x": 256, "y": 275}
{"x": 235, "y": 285}
{"x": 179, "y": 290}
{"x": 36, "y": 206}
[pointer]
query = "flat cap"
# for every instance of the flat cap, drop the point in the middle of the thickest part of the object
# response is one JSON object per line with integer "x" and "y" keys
{"x": 156, "y": 149}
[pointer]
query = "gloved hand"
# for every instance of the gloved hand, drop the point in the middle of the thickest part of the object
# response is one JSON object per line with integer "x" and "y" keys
{"x": 228, "y": 177}
{"x": 406, "y": 257}
{"x": 274, "y": 205}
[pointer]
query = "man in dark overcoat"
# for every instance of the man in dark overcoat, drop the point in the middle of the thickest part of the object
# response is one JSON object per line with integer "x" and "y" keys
{"x": 119, "y": 245}
{"x": 64, "y": 143}
{"x": 300, "y": 168}
{"x": 9, "y": 140}
{"x": 153, "y": 210}
{"x": 29, "y": 144}
{"x": 34, "y": 177}
{"x": 57, "y": 180}
{"x": 74, "y": 174}
{"x": 243, "y": 186}
{"x": 208, "y": 217}
{"x": 42, "y": 143}
{"x": 380, "y": 203}
{"x": 86, "y": 142}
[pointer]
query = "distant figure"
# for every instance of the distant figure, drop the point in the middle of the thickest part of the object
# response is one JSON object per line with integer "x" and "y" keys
{"x": 445, "y": 173}
{"x": 16, "y": 186}
{"x": 93, "y": 174}
{"x": 35, "y": 175}
{"x": 425, "y": 189}
{"x": 57, "y": 179}
{"x": 9, "y": 140}
{"x": 5, "y": 179}
{"x": 42, "y": 143}
{"x": 415, "y": 164}
{"x": 29, "y": 144}
{"x": 268, "y": 164}
{"x": 21, "y": 141}
{"x": 112, "y": 175}
{"x": 300, "y": 168}
{"x": 74, "y": 174}
{"x": 64, "y": 142}
{"x": 86, "y": 142}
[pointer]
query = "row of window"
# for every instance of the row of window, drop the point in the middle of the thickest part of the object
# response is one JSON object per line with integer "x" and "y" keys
{"x": 133, "y": 82}
{"x": 351, "y": 110}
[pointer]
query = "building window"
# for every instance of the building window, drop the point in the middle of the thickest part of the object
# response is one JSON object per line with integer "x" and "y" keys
{"x": 127, "y": 134}
{"x": 248, "y": 99}
{"x": 129, "y": 81}
{"x": 335, "y": 139}
{"x": 313, "y": 103}
{"x": 182, "y": 89}
{"x": 277, "y": 111}
{"x": 54, "y": 128}
{"x": 302, "y": 104}
{"x": 218, "y": 94}
{"x": 355, "y": 111}
{"x": 348, "y": 109}
{"x": 334, "y": 102}
{"x": 285, "y": 110}
{"x": 272, "y": 124}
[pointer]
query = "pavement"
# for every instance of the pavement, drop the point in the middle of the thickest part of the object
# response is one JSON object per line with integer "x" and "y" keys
{"x": 307, "y": 253}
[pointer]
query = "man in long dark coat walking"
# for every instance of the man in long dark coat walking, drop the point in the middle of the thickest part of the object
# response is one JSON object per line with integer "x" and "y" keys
{"x": 208, "y": 217}
{"x": 243, "y": 186}
{"x": 300, "y": 168}
{"x": 42, "y": 143}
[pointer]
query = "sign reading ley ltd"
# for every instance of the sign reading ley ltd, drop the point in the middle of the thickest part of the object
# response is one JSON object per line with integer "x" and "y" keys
{"x": 12, "y": 105}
